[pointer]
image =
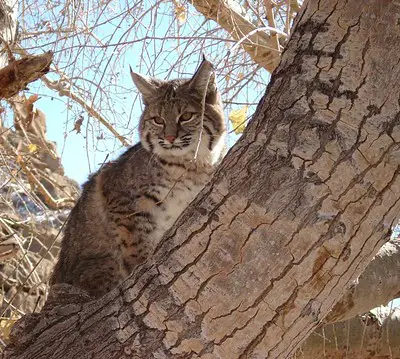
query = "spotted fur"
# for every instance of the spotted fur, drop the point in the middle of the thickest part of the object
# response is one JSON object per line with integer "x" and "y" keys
{"x": 127, "y": 206}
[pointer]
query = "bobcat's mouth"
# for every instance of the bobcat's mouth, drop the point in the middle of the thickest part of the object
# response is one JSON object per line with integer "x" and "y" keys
{"x": 179, "y": 143}
{"x": 169, "y": 146}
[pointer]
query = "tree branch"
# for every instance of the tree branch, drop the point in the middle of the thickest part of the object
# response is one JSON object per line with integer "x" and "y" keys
{"x": 370, "y": 336}
{"x": 377, "y": 285}
{"x": 261, "y": 47}
{"x": 17, "y": 74}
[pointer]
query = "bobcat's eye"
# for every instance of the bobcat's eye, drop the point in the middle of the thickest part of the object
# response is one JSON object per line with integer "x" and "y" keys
{"x": 158, "y": 121}
{"x": 186, "y": 117}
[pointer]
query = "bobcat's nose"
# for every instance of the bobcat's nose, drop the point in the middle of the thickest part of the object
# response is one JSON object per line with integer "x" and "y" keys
{"x": 170, "y": 138}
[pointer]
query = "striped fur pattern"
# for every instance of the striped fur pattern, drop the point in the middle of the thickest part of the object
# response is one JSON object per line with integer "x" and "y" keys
{"x": 127, "y": 206}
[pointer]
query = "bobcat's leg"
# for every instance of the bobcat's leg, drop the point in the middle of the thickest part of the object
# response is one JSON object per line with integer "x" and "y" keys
{"x": 134, "y": 228}
{"x": 98, "y": 275}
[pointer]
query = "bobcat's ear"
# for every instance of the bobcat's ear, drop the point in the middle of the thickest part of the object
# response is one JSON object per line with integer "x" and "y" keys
{"x": 204, "y": 80}
{"x": 147, "y": 86}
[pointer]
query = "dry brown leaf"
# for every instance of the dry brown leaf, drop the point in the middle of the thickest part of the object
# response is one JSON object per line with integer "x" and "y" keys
{"x": 78, "y": 124}
{"x": 31, "y": 99}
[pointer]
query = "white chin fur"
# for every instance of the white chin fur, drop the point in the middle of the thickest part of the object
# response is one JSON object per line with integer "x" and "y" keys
{"x": 204, "y": 155}
{"x": 174, "y": 152}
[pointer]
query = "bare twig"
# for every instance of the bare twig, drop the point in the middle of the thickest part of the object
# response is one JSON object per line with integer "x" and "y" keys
{"x": 271, "y": 21}
{"x": 57, "y": 86}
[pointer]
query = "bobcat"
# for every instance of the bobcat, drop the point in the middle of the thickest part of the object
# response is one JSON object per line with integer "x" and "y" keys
{"x": 127, "y": 206}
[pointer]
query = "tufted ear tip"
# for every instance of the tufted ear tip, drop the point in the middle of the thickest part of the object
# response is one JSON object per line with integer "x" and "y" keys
{"x": 203, "y": 79}
{"x": 147, "y": 86}
{"x": 206, "y": 65}
{"x": 205, "y": 59}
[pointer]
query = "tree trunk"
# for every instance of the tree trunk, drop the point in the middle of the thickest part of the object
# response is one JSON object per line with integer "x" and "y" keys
{"x": 8, "y": 26}
{"x": 294, "y": 214}
{"x": 260, "y": 46}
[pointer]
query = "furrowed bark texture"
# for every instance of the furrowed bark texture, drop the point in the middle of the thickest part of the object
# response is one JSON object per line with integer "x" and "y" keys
{"x": 294, "y": 214}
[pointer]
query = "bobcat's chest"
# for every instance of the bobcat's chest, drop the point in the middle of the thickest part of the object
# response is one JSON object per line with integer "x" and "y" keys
{"x": 176, "y": 197}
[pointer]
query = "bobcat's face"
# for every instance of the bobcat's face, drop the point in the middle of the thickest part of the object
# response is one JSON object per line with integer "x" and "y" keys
{"x": 174, "y": 122}
{"x": 173, "y": 127}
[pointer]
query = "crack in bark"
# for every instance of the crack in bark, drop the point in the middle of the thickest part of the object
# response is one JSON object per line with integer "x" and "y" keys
{"x": 236, "y": 329}
{"x": 364, "y": 53}
{"x": 336, "y": 52}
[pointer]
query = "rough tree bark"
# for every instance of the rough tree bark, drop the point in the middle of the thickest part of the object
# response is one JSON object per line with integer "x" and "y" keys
{"x": 260, "y": 46}
{"x": 294, "y": 214}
